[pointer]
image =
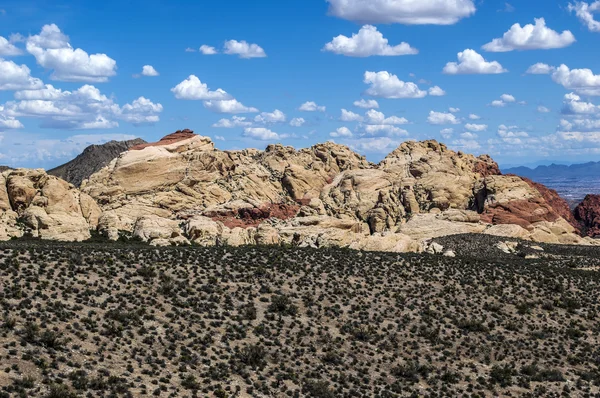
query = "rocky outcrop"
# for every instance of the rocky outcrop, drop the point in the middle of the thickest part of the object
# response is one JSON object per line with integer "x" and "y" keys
{"x": 179, "y": 135}
{"x": 558, "y": 204}
{"x": 588, "y": 214}
{"x": 92, "y": 159}
{"x": 37, "y": 204}
{"x": 183, "y": 188}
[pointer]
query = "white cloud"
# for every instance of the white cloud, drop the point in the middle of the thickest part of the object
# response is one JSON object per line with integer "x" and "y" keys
{"x": 260, "y": 133}
{"x": 148, "y": 70}
{"x": 476, "y": 127}
{"x": 469, "y": 136}
{"x": 573, "y": 105}
{"x": 243, "y": 49}
{"x": 473, "y": 116}
{"x": 582, "y": 81}
{"x": 375, "y": 145}
{"x": 436, "y": 91}
{"x": 297, "y": 122}
{"x": 235, "y": 121}
{"x": 193, "y": 89}
{"x": 540, "y": 69}
{"x": 447, "y": 133}
{"x": 366, "y": 104}
{"x": 375, "y": 117}
{"x": 190, "y": 50}
{"x": 341, "y": 132}
{"x": 471, "y": 62}
{"x": 17, "y": 38}
{"x": 385, "y": 85}
{"x": 543, "y": 109}
{"x": 15, "y": 77}
{"x": 84, "y": 108}
{"x": 271, "y": 117}
{"x": 408, "y": 12}
{"x": 228, "y": 106}
{"x": 442, "y": 118}
{"x": 8, "y": 122}
{"x": 507, "y": 98}
{"x": 7, "y": 49}
{"x": 454, "y": 110}
{"x": 52, "y": 50}
{"x": 498, "y": 103}
{"x": 348, "y": 116}
{"x": 580, "y": 125}
{"x": 585, "y": 13}
{"x": 208, "y": 50}
{"x": 530, "y": 37}
{"x": 367, "y": 42}
{"x": 383, "y": 129}
{"x": 466, "y": 144}
{"x": 311, "y": 106}
{"x": 219, "y": 138}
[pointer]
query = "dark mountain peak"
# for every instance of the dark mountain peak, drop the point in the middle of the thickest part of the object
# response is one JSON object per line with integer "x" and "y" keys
{"x": 92, "y": 159}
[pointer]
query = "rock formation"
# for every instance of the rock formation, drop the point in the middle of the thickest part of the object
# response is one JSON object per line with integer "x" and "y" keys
{"x": 588, "y": 214}
{"x": 181, "y": 188}
{"x": 92, "y": 159}
{"x": 37, "y": 204}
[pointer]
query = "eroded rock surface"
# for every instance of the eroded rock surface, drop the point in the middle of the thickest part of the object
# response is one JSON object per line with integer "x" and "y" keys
{"x": 325, "y": 195}
{"x": 588, "y": 214}
{"x": 37, "y": 204}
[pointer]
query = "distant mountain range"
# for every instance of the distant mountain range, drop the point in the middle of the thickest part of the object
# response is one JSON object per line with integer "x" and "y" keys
{"x": 92, "y": 159}
{"x": 590, "y": 169}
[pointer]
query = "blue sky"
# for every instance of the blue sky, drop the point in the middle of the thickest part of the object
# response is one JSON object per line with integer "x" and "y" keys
{"x": 273, "y": 57}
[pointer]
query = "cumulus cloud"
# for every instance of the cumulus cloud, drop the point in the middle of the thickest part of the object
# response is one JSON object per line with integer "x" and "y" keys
{"x": 17, "y": 77}
{"x": 52, "y": 50}
{"x": 375, "y": 117}
{"x": 260, "y": 133}
{"x": 297, "y": 122}
{"x": 543, "y": 109}
{"x": 386, "y": 85}
{"x": 367, "y": 42}
{"x": 208, "y": 50}
{"x": 540, "y": 69}
{"x": 574, "y": 105}
{"x": 244, "y": 49}
{"x": 311, "y": 106}
{"x": 408, "y": 12}
{"x": 454, "y": 110}
{"x": 374, "y": 145}
{"x": 341, "y": 132}
{"x": 447, "y": 133}
{"x": 585, "y": 12}
{"x": 580, "y": 125}
{"x": 7, "y": 49}
{"x": 473, "y": 116}
{"x": 193, "y": 89}
{"x": 235, "y": 121}
{"x": 349, "y": 116}
{"x": 435, "y": 91}
{"x": 276, "y": 116}
{"x": 383, "y": 129}
{"x": 476, "y": 127}
{"x": 530, "y": 37}
{"x": 84, "y": 108}
{"x": 148, "y": 70}
{"x": 366, "y": 104}
{"x": 442, "y": 118}
{"x": 466, "y": 144}
{"x": 228, "y": 106}
{"x": 504, "y": 100}
{"x": 582, "y": 81}
{"x": 471, "y": 62}
{"x": 8, "y": 122}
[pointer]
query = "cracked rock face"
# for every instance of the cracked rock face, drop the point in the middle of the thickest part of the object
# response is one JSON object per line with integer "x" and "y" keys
{"x": 37, "y": 204}
{"x": 320, "y": 196}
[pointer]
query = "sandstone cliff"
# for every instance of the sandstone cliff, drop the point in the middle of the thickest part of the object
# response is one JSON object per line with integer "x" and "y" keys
{"x": 37, "y": 204}
{"x": 588, "y": 214}
{"x": 182, "y": 189}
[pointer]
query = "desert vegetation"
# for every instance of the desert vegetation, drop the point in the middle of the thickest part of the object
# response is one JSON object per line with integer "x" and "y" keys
{"x": 97, "y": 320}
